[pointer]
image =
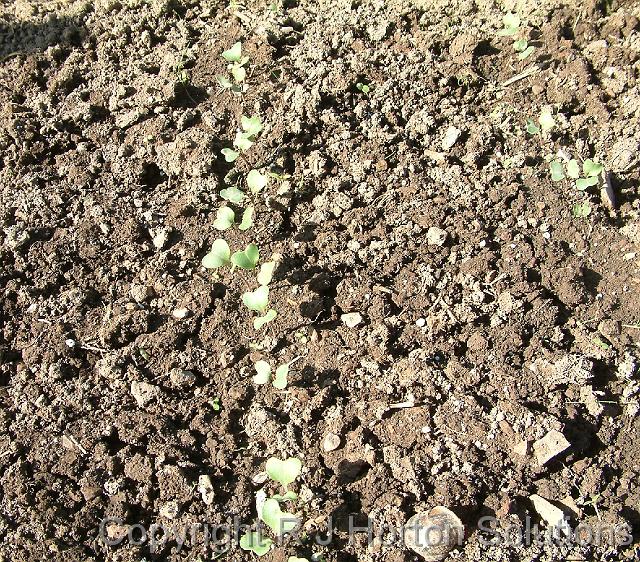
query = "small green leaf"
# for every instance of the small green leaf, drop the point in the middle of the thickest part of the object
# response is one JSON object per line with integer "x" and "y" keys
{"x": 266, "y": 272}
{"x": 238, "y": 73}
{"x": 232, "y": 194}
{"x": 247, "y": 218}
{"x": 585, "y": 183}
{"x": 256, "y": 181}
{"x": 284, "y": 472}
{"x": 263, "y": 372}
{"x": 279, "y": 521}
{"x": 601, "y": 343}
{"x": 251, "y": 125}
{"x": 557, "y": 173}
{"x": 581, "y": 210}
{"x": 255, "y": 542}
{"x": 257, "y": 300}
{"x": 234, "y": 53}
{"x": 520, "y": 45}
{"x": 526, "y": 53}
{"x": 532, "y": 128}
{"x": 287, "y": 497}
{"x": 511, "y": 20}
{"x": 224, "y": 82}
{"x": 224, "y": 218}
{"x": 591, "y": 169}
{"x": 573, "y": 169}
{"x": 242, "y": 141}
{"x": 246, "y": 259}
{"x": 280, "y": 378}
{"x": 218, "y": 255}
{"x": 546, "y": 120}
{"x": 229, "y": 154}
{"x": 262, "y": 320}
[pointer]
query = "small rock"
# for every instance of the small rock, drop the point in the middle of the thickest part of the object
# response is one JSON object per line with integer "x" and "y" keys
{"x": 624, "y": 155}
{"x": 144, "y": 392}
{"x": 450, "y": 137}
{"x": 420, "y": 322}
{"x": 141, "y": 293}
{"x": 169, "y": 510}
{"x": 160, "y": 238}
{"x": 551, "y": 445}
{"x": 521, "y": 448}
{"x": 90, "y": 492}
{"x": 553, "y": 515}
{"x": 436, "y": 236}
{"x": 351, "y": 319}
{"x": 434, "y": 534}
{"x": 590, "y": 399}
{"x": 180, "y": 378}
{"x": 180, "y": 313}
{"x": 205, "y": 487}
{"x": 331, "y": 442}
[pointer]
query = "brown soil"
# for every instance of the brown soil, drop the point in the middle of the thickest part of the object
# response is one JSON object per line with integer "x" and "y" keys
{"x": 524, "y": 320}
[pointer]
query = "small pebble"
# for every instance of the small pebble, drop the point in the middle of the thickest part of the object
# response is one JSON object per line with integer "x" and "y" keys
{"x": 351, "y": 319}
{"x": 331, "y": 442}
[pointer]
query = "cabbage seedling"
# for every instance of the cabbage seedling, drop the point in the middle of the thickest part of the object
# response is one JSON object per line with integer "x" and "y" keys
{"x": 279, "y": 521}
{"x": 234, "y": 54}
{"x": 581, "y": 210}
{"x": 246, "y": 259}
{"x": 218, "y": 256}
{"x": 224, "y": 218}
{"x": 257, "y": 300}
{"x": 247, "y": 219}
{"x": 265, "y": 275}
{"x": 256, "y": 181}
{"x": 511, "y": 23}
{"x": 283, "y": 472}
{"x": 232, "y": 194}
{"x": 262, "y": 320}
{"x": 364, "y": 88}
{"x": 557, "y": 173}
{"x": 590, "y": 170}
{"x": 251, "y": 126}
{"x": 253, "y": 541}
{"x": 531, "y": 127}
{"x": 236, "y": 66}
{"x": 230, "y": 155}
{"x": 522, "y": 47}
{"x": 279, "y": 379}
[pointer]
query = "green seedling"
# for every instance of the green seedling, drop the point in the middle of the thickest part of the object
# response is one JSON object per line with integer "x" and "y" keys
{"x": 279, "y": 379}
{"x": 218, "y": 256}
{"x": 256, "y": 181}
{"x": 531, "y": 127}
{"x": 230, "y": 155}
{"x": 511, "y": 23}
{"x": 232, "y": 194}
{"x": 573, "y": 169}
{"x": 234, "y": 54}
{"x": 557, "y": 173}
{"x": 546, "y": 120}
{"x": 257, "y": 300}
{"x": 247, "y": 219}
{"x": 286, "y": 497}
{"x": 364, "y": 88}
{"x": 279, "y": 521}
{"x": 254, "y": 542}
{"x": 225, "y": 218}
{"x": 590, "y": 170}
{"x": 265, "y": 274}
{"x": 215, "y": 403}
{"x": 262, "y": 320}
{"x": 522, "y": 47}
{"x": 236, "y": 66}
{"x": 284, "y": 472}
{"x": 245, "y": 138}
{"x": 247, "y": 259}
{"x": 581, "y": 210}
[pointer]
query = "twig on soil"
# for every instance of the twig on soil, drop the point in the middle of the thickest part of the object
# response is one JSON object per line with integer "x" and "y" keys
{"x": 530, "y": 71}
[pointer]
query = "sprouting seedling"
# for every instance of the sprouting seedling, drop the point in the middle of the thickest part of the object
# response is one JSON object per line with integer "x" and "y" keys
{"x": 265, "y": 275}
{"x": 557, "y": 173}
{"x": 546, "y": 120}
{"x": 279, "y": 521}
{"x": 215, "y": 403}
{"x": 590, "y": 170}
{"x": 531, "y": 127}
{"x": 364, "y": 88}
{"x": 283, "y": 471}
{"x": 262, "y": 320}
{"x": 257, "y": 300}
{"x": 248, "y": 258}
{"x": 247, "y": 219}
{"x": 522, "y": 47}
{"x": 245, "y": 138}
{"x": 581, "y": 210}
{"x": 232, "y": 194}
{"x": 256, "y": 181}
{"x": 279, "y": 378}
{"x": 218, "y": 256}
{"x": 230, "y": 155}
{"x": 511, "y": 23}
{"x": 253, "y": 541}
{"x": 236, "y": 65}
{"x": 225, "y": 218}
